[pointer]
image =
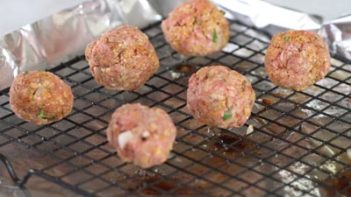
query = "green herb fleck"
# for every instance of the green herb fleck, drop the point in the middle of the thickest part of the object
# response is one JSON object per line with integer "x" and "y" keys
{"x": 222, "y": 12}
{"x": 25, "y": 72}
{"x": 214, "y": 36}
{"x": 227, "y": 115}
{"x": 41, "y": 114}
{"x": 286, "y": 38}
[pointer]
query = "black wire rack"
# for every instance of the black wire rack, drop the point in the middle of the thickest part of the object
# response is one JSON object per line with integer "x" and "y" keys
{"x": 295, "y": 143}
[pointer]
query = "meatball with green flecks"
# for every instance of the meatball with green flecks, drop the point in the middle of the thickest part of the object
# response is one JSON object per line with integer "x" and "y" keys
{"x": 196, "y": 28}
{"x": 122, "y": 58}
{"x": 40, "y": 97}
{"x": 221, "y": 97}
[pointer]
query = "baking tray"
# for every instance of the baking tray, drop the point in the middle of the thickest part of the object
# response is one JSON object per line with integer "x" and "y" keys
{"x": 298, "y": 145}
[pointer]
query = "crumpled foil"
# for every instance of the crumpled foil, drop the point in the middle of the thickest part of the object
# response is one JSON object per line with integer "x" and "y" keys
{"x": 64, "y": 35}
{"x": 337, "y": 33}
{"x": 262, "y": 14}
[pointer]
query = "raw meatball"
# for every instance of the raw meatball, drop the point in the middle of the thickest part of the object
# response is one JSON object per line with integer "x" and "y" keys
{"x": 141, "y": 135}
{"x": 122, "y": 59}
{"x": 196, "y": 28}
{"x": 219, "y": 96}
{"x": 297, "y": 59}
{"x": 40, "y": 97}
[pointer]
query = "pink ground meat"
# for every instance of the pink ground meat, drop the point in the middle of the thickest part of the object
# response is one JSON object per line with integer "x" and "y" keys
{"x": 196, "y": 28}
{"x": 141, "y": 135}
{"x": 40, "y": 97}
{"x": 219, "y": 96}
{"x": 122, "y": 59}
{"x": 297, "y": 59}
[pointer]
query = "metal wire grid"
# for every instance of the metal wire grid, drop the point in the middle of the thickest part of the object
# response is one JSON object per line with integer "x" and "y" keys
{"x": 297, "y": 136}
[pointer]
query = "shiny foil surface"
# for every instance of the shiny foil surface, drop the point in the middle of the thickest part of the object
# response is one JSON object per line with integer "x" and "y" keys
{"x": 64, "y": 35}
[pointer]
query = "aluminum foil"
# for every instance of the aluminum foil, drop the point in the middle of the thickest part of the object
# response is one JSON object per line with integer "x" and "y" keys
{"x": 338, "y": 35}
{"x": 262, "y": 14}
{"x": 64, "y": 35}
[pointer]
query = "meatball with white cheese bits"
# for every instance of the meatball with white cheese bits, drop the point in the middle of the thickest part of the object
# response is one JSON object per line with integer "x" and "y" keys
{"x": 196, "y": 28}
{"x": 122, "y": 59}
{"x": 297, "y": 59}
{"x": 221, "y": 97}
{"x": 141, "y": 135}
{"x": 40, "y": 97}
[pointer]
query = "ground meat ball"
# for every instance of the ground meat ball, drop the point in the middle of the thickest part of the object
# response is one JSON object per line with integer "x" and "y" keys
{"x": 297, "y": 59}
{"x": 219, "y": 96}
{"x": 141, "y": 135}
{"x": 122, "y": 59}
{"x": 196, "y": 28}
{"x": 40, "y": 97}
